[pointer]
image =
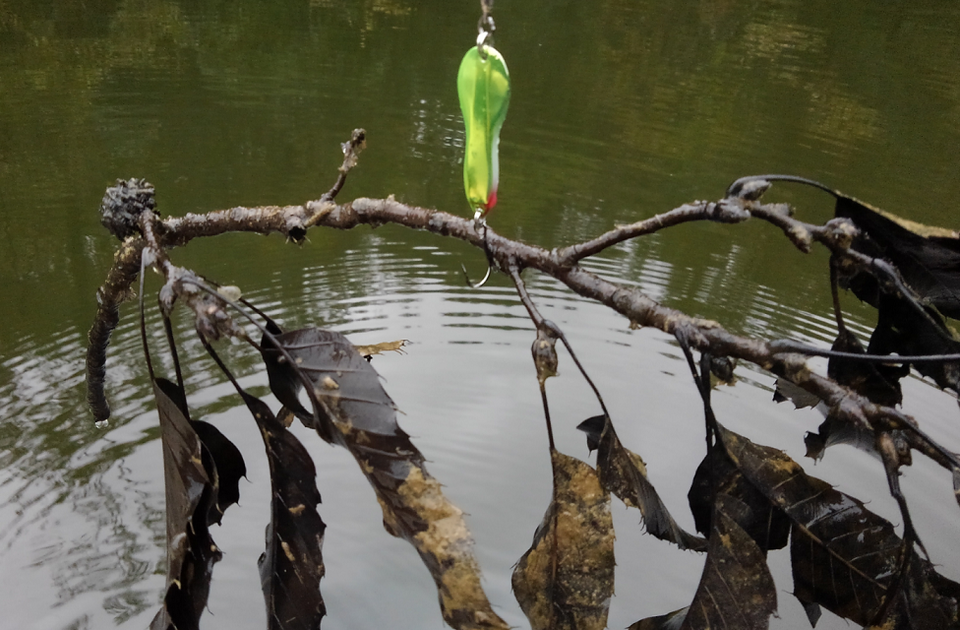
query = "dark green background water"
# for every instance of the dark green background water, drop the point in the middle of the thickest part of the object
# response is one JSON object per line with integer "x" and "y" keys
{"x": 620, "y": 110}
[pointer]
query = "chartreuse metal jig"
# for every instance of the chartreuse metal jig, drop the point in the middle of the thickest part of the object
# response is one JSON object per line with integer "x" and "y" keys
{"x": 483, "y": 85}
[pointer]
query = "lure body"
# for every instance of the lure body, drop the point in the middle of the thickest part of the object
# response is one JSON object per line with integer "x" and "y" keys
{"x": 483, "y": 85}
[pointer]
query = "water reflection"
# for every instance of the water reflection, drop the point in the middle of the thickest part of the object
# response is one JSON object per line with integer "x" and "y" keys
{"x": 73, "y": 514}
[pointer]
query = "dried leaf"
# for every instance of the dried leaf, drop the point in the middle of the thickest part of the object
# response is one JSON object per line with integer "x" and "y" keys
{"x": 902, "y": 330}
{"x": 831, "y": 536}
{"x": 718, "y": 475}
{"x": 927, "y": 257}
{"x": 928, "y": 261}
{"x": 385, "y": 346}
{"x": 624, "y": 473}
{"x": 292, "y": 565}
{"x": 844, "y": 557}
{"x": 736, "y": 589}
{"x": 786, "y": 390}
{"x": 222, "y": 460}
{"x": 670, "y": 621}
{"x": 833, "y": 431}
{"x": 287, "y": 379}
{"x": 544, "y": 351}
{"x": 722, "y": 368}
{"x": 956, "y": 484}
{"x": 360, "y": 416}
{"x": 879, "y": 383}
{"x": 229, "y": 466}
{"x": 565, "y": 579}
{"x": 190, "y": 498}
{"x": 925, "y": 600}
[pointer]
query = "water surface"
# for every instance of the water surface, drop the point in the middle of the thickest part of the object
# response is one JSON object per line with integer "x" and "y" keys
{"x": 620, "y": 110}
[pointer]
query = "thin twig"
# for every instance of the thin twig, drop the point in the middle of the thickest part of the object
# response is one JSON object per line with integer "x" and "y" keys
{"x": 513, "y": 270}
{"x": 835, "y": 294}
{"x": 552, "y": 329}
{"x": 143, "y": 327}
{"x": 725, "y": 211}
{"x": 351, "y": 153}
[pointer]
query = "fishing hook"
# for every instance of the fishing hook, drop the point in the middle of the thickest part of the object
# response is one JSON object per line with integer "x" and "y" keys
{"x": 479, "y": 221}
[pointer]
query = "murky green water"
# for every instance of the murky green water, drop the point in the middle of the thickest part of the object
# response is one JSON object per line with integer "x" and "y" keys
{"x": 620, "y": 110}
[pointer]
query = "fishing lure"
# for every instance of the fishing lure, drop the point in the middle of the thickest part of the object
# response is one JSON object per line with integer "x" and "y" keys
{"x": 483, "y": 85}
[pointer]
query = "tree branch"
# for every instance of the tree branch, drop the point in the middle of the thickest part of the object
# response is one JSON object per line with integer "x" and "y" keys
{"x": 725, "y": 211}
{"x": 782, "y": 358}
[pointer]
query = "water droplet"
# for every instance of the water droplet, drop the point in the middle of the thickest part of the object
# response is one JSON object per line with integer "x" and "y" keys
{"x": 102, "y": 424}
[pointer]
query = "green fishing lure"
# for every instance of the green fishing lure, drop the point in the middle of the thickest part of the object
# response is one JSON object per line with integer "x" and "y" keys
{"x": 483, "y": 85}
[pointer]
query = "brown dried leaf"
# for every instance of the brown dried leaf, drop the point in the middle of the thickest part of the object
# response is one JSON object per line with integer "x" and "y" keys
{"x": 292, "y": 565}
{"x": 787, "y": 390}
{"x": 417, "y": 511}
{"x": 190, "y": 498}
{"x": 228, "y": 464}
{"x": 385, "y": 346}
{"x": 927, "y": 600}
{"x": 360, "y": 416}
{"x": 879, "y": 383}
{"x": 833, "y": 431}
{"x": 718, "y": 475}
{"x": 927, "y": 257}
{"x": 565, "y": 579}
{"x": 544, "y": 350}
{"x": 901, "y": 329}
{"x": 844, "y": 557}
{"x": 624, "y": 473}
{"x": 736, "y": 590}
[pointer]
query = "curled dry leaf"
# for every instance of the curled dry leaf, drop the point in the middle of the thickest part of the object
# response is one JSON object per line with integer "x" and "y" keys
{"x": 833, "y": 431}
{"x": 879, "y": 383}
{"x": 903, "y": 329}
{"x": 787, "y": 390}
{"x": 624, "y": 473}
{"x": 565, "y": 579}
{"x": 927, "y": 257}
{"x": 228, "y": 464}
{"x": 360, "y": 416}
{"x": 292, "y": 565}
{"x": 191, "y": 497}
{"x": 544, "y": 350}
